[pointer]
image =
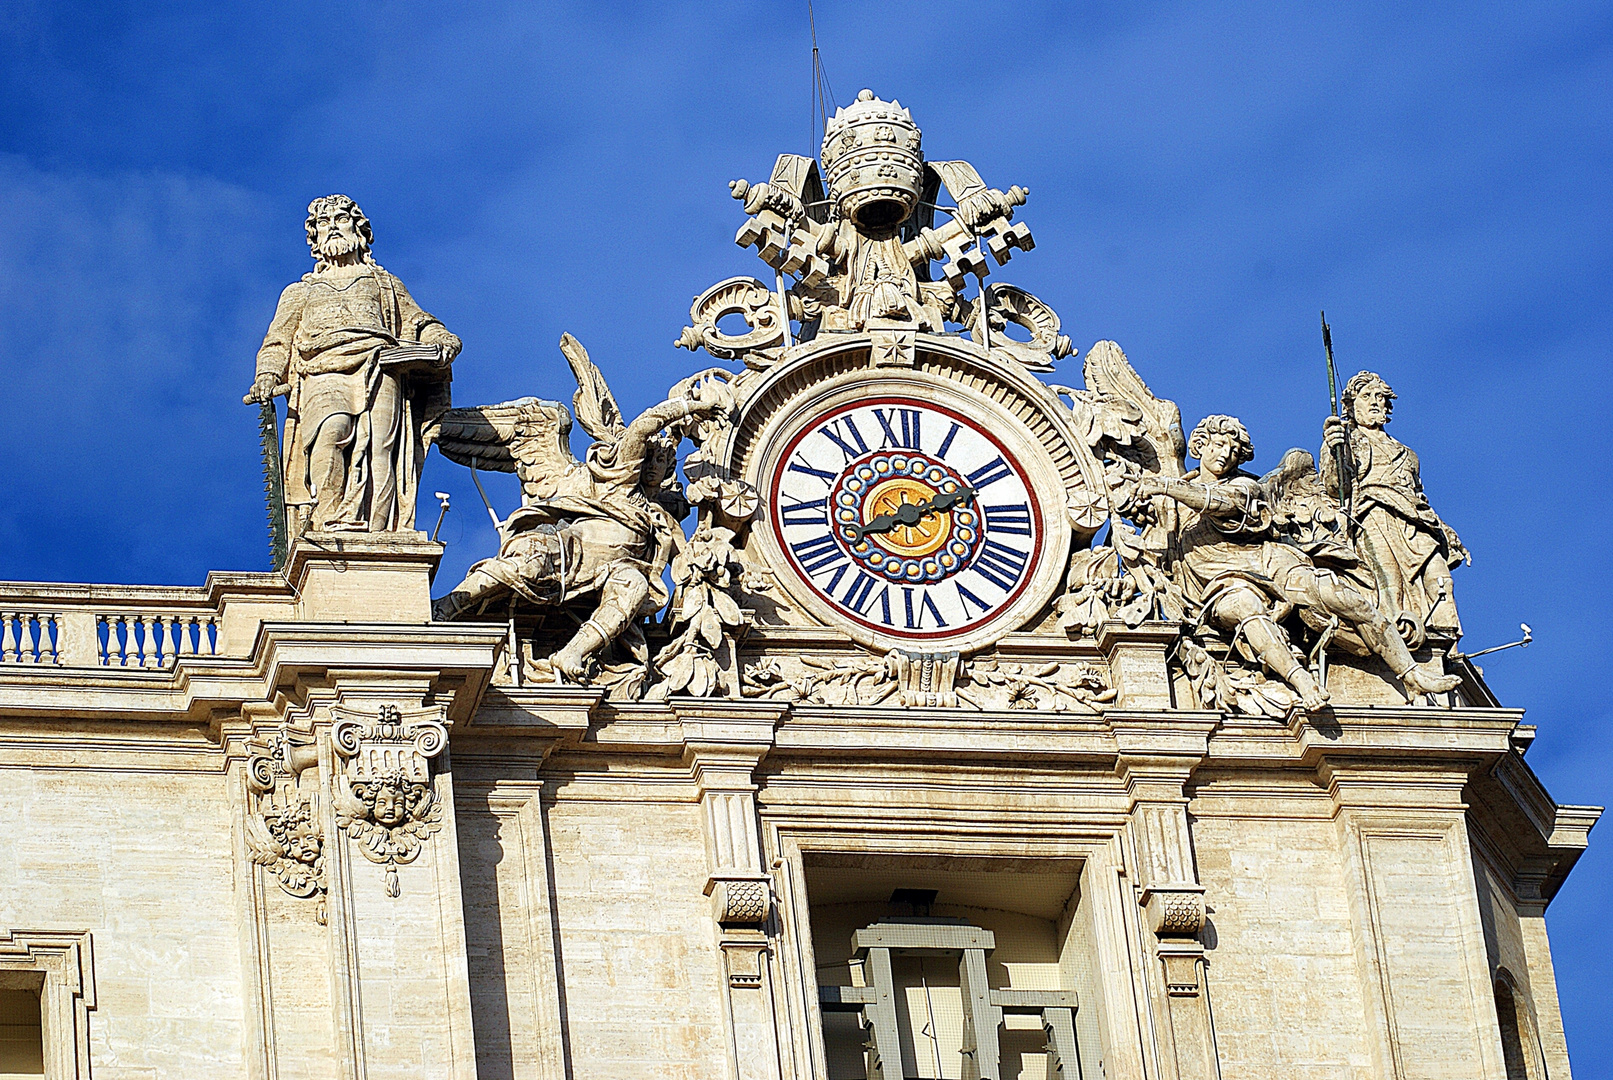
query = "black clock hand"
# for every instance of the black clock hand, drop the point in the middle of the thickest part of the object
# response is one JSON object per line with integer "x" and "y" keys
{"x": 948, "y": 499}
{"x": 913, "y": 513}
{"x": 905, "y": 514}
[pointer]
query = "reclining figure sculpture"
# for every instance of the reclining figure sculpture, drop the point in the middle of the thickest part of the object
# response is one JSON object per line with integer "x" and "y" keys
{"x": 601, "y": 530}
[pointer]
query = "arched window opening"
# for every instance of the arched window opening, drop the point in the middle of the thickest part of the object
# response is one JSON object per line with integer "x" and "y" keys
{"x": 1519, "y": 1047}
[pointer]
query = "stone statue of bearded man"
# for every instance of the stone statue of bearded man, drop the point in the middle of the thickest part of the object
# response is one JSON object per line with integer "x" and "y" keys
{"x": 363, "y": 369}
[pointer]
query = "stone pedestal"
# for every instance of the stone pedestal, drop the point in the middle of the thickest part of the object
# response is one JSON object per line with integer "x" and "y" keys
{"x": 1138, "y": 662}
{"x": 363, "y": 577}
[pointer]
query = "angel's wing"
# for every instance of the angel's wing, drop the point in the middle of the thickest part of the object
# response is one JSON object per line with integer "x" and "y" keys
{"x": 1293, "y": 478}
{"x": 261, "y": 846}
{"x": 348, "y": 806}
{"x": 1305, "y": 513}
{"x": 596, "y": 408}
{"x": 528, "y": 436}
{"x": 1109, "y": 373}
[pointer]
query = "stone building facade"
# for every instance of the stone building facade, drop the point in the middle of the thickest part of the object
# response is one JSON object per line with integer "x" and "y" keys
{"x": 967, "y": 733}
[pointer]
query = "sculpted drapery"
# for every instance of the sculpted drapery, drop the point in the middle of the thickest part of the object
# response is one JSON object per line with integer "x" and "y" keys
{"x": 1409, "y": 550}
{"x": 353, "y": 444}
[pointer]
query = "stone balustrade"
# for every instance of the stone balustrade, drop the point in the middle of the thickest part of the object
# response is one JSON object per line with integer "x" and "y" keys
{"x": 30, "y": 637}
{"x": 154, "y": 638}
{"x": 130, "y": 626}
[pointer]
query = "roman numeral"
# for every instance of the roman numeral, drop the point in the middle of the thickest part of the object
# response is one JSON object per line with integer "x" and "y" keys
{"x": 860, "y": 596}
{"x": 946, "y": 443}
{"x": 907, "y": 420}
{"x": 831, "y": 431}
{"x": 1000, "y": 564}
{"x": 989, "y": 473}
{"x": 801, "y": 466}
{"x": 965, "y": 598}
{"x": 817, "y": 553}
{"x": 814, "y": 512}
{"x": 925, "y": 603}
{"x": 1014, "y": 518}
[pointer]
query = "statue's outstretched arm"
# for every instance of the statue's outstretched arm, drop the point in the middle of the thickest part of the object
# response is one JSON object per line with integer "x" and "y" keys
{"x": 651, "y": 422}
{"x": 1215, "y": 500}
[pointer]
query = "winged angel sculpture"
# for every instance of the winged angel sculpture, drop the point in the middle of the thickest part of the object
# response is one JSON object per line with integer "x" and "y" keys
{"x": 592, "y": 535}
{"x": 1260, "y": 562}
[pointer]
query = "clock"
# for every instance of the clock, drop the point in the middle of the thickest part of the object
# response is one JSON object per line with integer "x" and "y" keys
{"x": 914, "y": 512}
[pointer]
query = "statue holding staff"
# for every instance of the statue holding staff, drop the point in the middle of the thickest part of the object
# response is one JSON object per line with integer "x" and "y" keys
{"x": 1409, "y": 550}
{"x": 1244, "y": 579}
{"x": 364, "y": 370}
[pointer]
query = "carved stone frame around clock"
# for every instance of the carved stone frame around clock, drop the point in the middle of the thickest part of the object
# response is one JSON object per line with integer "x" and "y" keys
{"x": 1023, "y": 412}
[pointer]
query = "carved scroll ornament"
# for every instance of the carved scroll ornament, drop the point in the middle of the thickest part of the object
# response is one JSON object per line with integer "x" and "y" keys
{"x": 383, "y": 792}
{"x": 282, "y": 823}
{"x": 744, "y": 296}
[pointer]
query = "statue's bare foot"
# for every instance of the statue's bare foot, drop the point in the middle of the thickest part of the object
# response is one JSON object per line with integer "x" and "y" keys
{"x": 1311, "y": 694}
{"x": 1418, "y": 682}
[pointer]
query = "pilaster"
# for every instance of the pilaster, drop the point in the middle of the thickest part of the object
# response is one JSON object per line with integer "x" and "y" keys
{"x": 1419, "y": 935}
{"x": 353, "y": 933}
{"x": 1157, "y": 756}
{"x": 723, "y": 744}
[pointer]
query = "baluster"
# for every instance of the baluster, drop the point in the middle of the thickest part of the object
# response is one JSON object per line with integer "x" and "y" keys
{"x": 52, "y": 634}
{"x": 210, "y": 634}
{"x": 125, "y": 634}
{"x": 101, "y": 649}
{"x": 8, "y": 643}
{"x": 188, "y": 632}
{"x": 27, "y": 650}
{"x": 145, "y": 638}
{"x": 175, "y": 629}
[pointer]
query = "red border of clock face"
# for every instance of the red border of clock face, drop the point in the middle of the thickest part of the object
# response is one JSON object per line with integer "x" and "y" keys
{"x": 982, "y": 429}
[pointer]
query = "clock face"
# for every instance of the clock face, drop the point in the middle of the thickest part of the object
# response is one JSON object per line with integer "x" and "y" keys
{"x": 906, "y": 517}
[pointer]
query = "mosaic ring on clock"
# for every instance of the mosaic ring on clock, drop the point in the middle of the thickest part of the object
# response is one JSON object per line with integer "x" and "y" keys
{"x": 937, "y": 546}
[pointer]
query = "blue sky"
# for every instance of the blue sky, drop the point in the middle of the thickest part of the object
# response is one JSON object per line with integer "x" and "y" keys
{"x": 1203, "y": 178}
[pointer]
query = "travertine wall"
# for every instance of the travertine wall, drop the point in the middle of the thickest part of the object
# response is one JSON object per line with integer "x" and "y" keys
{"x": 1281, "y": 942}
{"x": 135, "y": 848}
{"x": 1358, "y": 918}
{"x": 643, "y": 975}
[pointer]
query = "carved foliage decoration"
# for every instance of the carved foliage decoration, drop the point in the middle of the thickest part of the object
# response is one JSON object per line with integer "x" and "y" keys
{"x": 283, "y": 833}
{"x": 931, "y": 681}
{"x": 1051, "y": 686}
{"x": 706, "y": 619}
{"x": 383, "y": 794}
